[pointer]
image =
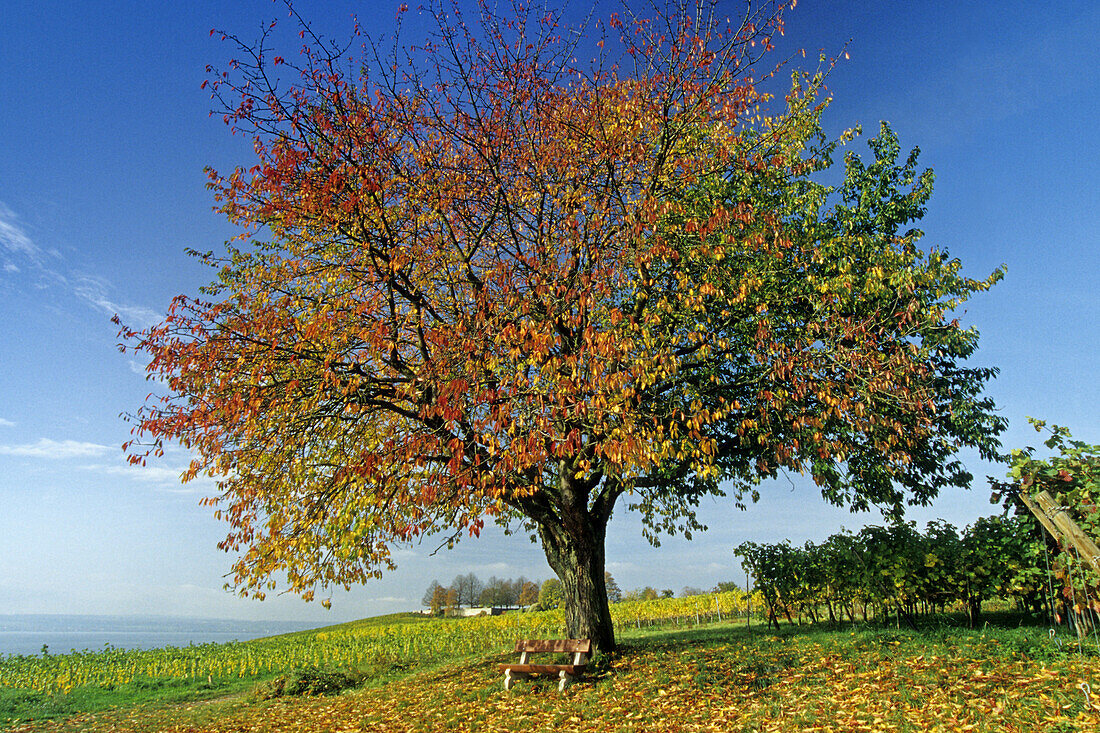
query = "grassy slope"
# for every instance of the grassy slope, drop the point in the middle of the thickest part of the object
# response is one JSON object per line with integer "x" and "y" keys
{"x": 720, "y": 677}
{"x": 387, "y": 620}
{"x": 23, "y": 705}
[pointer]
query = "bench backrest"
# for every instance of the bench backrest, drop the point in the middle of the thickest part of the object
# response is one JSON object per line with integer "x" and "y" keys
{"x": 566, "y": 646}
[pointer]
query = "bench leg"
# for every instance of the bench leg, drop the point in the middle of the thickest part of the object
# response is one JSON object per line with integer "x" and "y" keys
{"x": 509, "y": 680}
{"x": 566, "y": 680}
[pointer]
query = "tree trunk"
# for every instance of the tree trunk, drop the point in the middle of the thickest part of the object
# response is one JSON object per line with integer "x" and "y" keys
{"x": 773, "y": 619}
{"x": 572, "y": 518}
{"x": 579, "y": 564}
{"x": 574, "y": 547}
{"x": 974, "y": 610}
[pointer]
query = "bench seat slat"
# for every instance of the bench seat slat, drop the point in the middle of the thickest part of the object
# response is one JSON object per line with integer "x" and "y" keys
{"x": 579, "y": 649}
{"x": 564, "y": 646}
{"x": 571, "y": 669}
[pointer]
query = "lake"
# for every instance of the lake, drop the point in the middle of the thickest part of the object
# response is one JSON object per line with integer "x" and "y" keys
{"x": 26, "y": 633}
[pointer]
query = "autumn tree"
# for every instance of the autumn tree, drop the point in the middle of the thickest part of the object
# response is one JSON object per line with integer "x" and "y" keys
{"x": 434, "y": 597}
{"x": 614, "y": 593}
{"x": 440, "y": 600}
{"x": 485, "y": 281}
{"x": 528, "y": 594}
{"x": 450, "y": 601}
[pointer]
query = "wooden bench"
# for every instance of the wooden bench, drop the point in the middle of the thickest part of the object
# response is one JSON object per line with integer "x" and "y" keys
{"x": 579, "y": 648}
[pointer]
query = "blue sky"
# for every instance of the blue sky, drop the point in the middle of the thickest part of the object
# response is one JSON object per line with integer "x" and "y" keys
{"x": 104, "y": 134}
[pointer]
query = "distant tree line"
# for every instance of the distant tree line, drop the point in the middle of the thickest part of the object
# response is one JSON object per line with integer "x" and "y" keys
{"x": 469, "y": 591}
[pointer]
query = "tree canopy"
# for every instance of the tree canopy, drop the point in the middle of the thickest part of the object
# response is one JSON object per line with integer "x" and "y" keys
{"x": 483, "y": 281}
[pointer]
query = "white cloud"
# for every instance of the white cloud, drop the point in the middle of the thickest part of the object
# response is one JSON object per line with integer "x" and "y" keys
{"x": 18, "y": 253}
{"x": 621, "y": 566}
{"x": 13, "y": 238}
{"x": 94, "y": 291}
{"x": 152, "y": 474}
{"x": 55, "y": 449}
{"x": 492, "y": 568}
{"x": 6, "y": 423}
{"x": 140, "y": 369}
{"x": 165, "y": 478}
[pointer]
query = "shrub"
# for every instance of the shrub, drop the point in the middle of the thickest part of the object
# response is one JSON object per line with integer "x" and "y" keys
{"x": 307, "y": 681}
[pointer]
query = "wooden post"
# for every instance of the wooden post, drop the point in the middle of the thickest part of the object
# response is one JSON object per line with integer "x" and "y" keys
{"x": 1086, "y": 548}
{"x": 1043, "y": 519}
{"x": 1067, "y": 533}
{"x": 748, "y": 599}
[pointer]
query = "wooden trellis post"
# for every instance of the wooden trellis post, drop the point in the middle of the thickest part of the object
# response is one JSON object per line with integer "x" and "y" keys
{"x": 1067, "y": 533}
{"x": 1060, "y": 525}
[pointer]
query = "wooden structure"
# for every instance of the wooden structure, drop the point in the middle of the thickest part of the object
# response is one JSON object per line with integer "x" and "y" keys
{"x": 1067, "y": 533}
{"x": 1057, "y": 522}
{"x": 566, "y": 673}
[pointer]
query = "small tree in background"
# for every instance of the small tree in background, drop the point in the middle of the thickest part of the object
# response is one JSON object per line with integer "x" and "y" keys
{"x": 550, "y": 594}
{"x": 641, "y": 594}
{"x": 435, "y": 598}
{"x": 467, "y": 589}
{"x": 497, "y": 592}
{"x": 529, "y": 594}
{"x": 614, "y": 593}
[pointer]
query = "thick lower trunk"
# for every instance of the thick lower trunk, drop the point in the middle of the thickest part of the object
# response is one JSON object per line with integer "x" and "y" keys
{"x": 578, "y": 560}
{"x": 572, "y": 524}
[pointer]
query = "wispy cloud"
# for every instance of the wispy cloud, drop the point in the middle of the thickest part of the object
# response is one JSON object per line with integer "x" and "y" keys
{"x": 142, "y": 371}
{"x": 56, "y": 449}
{"x": 19, "y": 253}
{"x": 6, "y": 423}
{"x": 14, "y": 239}
{"x": 95, "y": 292}
{"x": 163, "y": 478}
{"x": 151, "y": 474}
{"x": 17, "y": 250}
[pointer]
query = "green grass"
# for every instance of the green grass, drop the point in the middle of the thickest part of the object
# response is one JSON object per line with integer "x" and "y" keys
{"x": 25, "y": 705}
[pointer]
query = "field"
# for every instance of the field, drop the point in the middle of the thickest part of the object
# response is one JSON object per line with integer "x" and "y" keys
{"x": 370, "y": 645}
{"x": 676, "y": 671}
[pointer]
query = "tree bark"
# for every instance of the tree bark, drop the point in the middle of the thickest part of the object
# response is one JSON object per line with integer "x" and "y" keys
{"x": 573, "y": 530}
{"x": 578, "y": 560}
